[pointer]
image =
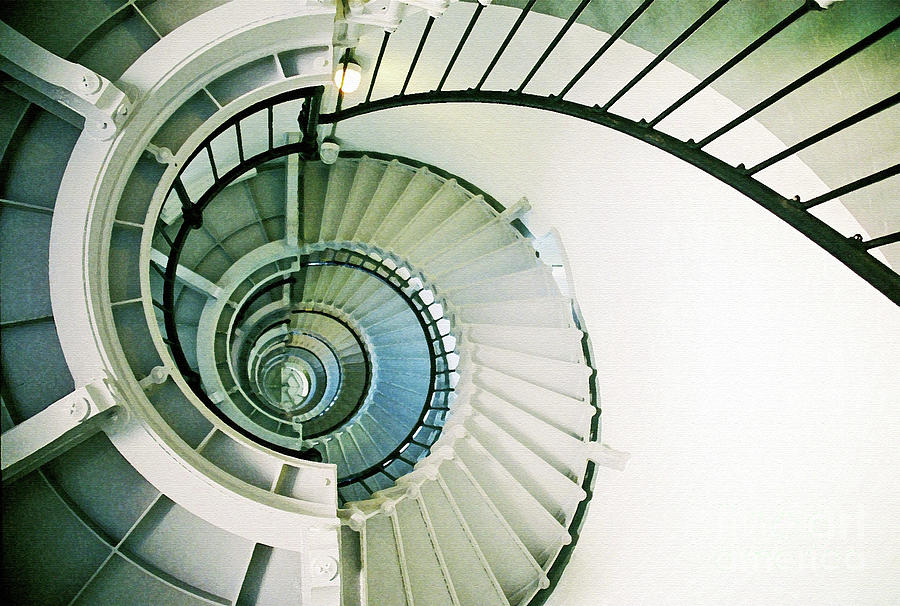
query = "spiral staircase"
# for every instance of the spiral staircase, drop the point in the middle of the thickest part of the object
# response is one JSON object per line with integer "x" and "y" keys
{"x": 234, "y": 373}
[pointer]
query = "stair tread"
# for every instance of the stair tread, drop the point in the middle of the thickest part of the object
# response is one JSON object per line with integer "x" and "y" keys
{"x": 384, "y": 581}
{"x": 472, "y": 579}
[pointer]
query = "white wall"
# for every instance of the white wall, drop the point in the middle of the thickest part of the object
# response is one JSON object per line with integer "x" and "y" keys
{"x": 751, "y": 375}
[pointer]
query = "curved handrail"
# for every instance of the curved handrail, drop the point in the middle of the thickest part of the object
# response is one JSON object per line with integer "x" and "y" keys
{"x": 852, "y": 251}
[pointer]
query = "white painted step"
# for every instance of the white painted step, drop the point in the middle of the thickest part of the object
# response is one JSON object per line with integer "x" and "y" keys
{"x": 418, "y": 192}
{"x": 349, "y": 289}
{"x": 562, "y": 377}
{"x": 375, "y": 310}
{"x": 514, "y": 568}
{"x": 566, "y": 453}
{"x": 536, "y": 527}
{"x": 365, "y": 182}
{"x": 389, "y": 326}
{"x": 488, "y": 237}
{"x": 514, "y": 257}
{"x": 469, "y": 573}
{"x": 528, "y": 284}
{"x": 567, "y": 414}
{"x": 370, "y": 293}
{"x": 549, "y": 312}
{"x": 355, "y": 460}
{"x": 384, "y": 583}
{"x": 340, "y": 182}
{"x": 324, "y": 277}
{"x": 427, "y": 583}
{"x": 556, "y": 492}
{"x": 563, "y": 344}
{"x": 464, "y": 220}
{"x": 335, "y": 454}
{"x": 395, "y": 179}
{"x": 400, "y": 336}
{"x": 445, "y": 201}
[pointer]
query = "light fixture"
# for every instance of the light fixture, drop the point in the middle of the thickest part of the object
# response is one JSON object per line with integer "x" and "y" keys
{"x": 348, "y": 74}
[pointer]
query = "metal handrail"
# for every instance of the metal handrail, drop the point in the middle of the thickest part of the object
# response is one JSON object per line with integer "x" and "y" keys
{"x": 852, "y": 251}
{"x": 192, "y": 212}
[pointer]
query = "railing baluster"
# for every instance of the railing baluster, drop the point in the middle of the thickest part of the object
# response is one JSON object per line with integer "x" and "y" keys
{"x": 768, "y": 35}
{"x": 506, "y": 41}
{"x": 212, "y": 162}
{"x": 161, "y": 230}
{"x": 807, "y": 77}
{"x": 559, "y": 36}
{"x": 181, "y": 192}
{"x": 668, "y": 50}
{"x": 462, "y": 41}
{"x": 851, "y": 187}
{"x": 158, "y": 270}
{"x": 384, "y": 42}
{"x": 846, "y": 123}
{"x": 271, "y": 119}
{"x": 881, "y": 241}
{"x": 240, "y": 141}
{"x": 412, "y": 66}
{"x": 612, "y": 39}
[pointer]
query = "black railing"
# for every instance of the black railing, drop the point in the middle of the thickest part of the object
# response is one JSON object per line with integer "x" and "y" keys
{"x": 426, "y": 429}
{"x": 262, "y": 290}
{"x": 852, "y": 251}
{"x": 391, "y": 272}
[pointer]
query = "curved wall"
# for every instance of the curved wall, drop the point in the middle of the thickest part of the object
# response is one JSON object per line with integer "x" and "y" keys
{"x": 750, "y": 375}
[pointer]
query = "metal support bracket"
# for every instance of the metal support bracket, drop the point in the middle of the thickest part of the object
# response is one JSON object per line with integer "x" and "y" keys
{"x": 601, "y": 454}
{"x": 62, "y": 425}
{"x": 105, "y": 108}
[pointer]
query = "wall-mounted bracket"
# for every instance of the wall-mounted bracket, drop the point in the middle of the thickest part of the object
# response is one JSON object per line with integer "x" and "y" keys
{"x": 62, "y": 425}
{"x": 105, "y": 108}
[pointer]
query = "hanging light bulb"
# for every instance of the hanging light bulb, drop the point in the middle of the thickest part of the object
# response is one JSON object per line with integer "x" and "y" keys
{"x": 348, "y": 74}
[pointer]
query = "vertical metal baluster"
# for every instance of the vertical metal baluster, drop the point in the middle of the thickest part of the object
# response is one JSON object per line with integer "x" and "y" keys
{"x": 240, "y": 141}
{"x": 852, "y": 187}
{"x": 807, "y": 6}
{"x": 612, "y": 39}
{"x": 412, "y": 66}
{"x": 667, "y": 51}
{"x": 462, "y": 41}
{"x": 212, "y": 161}
{"x": 384, "y": 43}
{"x": 804, "y": 79}
{"x": 559, "y": 36}
{"x": 271, "y": 118}
{"x": 506, "y": 41}
{"x": 823, "y": 134}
